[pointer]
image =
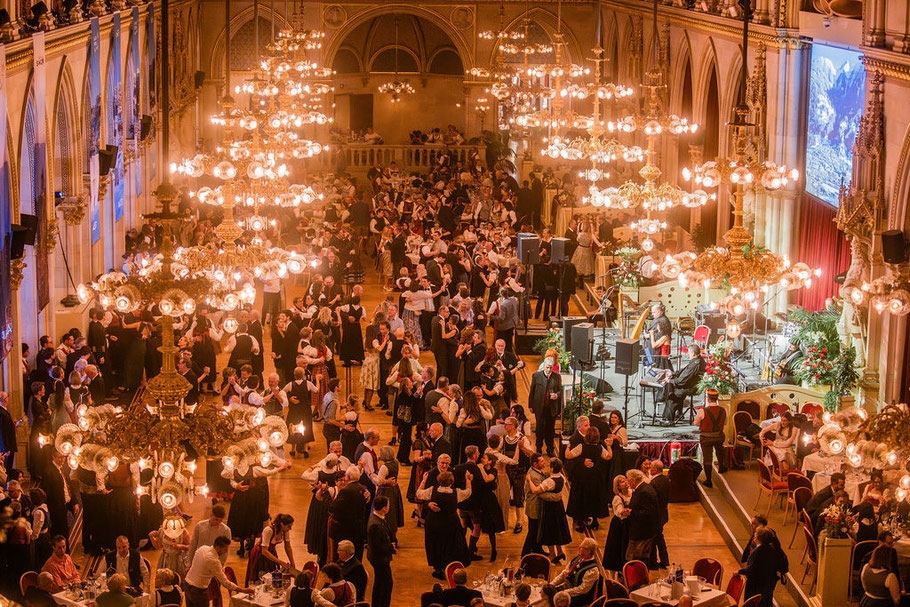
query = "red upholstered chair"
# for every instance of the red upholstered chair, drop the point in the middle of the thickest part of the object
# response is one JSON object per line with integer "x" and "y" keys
{"x": 701, "y": 335}
{"x": 229, "y": 574}
{"x": 711, "y": 570}
{"x": 811, "y": 409}
{"x": 753, "y": 601}
{"x": 801, "y": 497}
{"x": 214, "y": 591}
{"x": 795, "y": 480}
{"x": 598, "y": 602}
{"x": 741, "y": 421}
{"x": 859, "y": 553}
{"x": 312, "y": 567}
{"x": 811, "y": 559}
{"x": 536, "y": 566}
{"x": 767, "y": 485}
{"x": 636, "y": 575}
{"x": 615, "y": 590}
{"x": 450, "y": 572}
{"x": 776, "y": 410}
{"x": 735, "y": 587}
{"x": 777, "y": 470}
{"x": 751, "y": 407}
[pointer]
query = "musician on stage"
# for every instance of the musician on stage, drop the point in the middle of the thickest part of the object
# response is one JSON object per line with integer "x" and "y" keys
{"x": 660, "y": 336}
{"x": 678, "y": 385}
{"x": 786, "y": 366}
{"x": 605, "y": 307}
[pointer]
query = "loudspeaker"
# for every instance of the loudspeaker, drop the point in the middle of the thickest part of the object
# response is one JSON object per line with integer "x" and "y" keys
{"x": 601, "y": 386}
{"x": 528, "y": 249}
{"x": 582, "y": 335}
{"x": 628, "y": 351}
{"x": 894, "y": 247}
{"x": 145, "y": 127}
{"x": 567, "y": 323}
{"x": 199, "y": 79}
{"x": 525, "y": 340}
{"x": 558, "y": 248}
{"x": 30, "y": 223}
{"x": 106, "y": 157}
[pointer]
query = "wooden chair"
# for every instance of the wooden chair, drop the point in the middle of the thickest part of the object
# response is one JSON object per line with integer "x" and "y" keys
{"x": 767, "y": 485}
{"x": 27, "y": 580}
{"x": 859, "y": 553}
{"x": 312, "y": 567}
{"x": 615, "y": 590}
{"x": 811, "y": 409}
{"x": 700, "y": 335}
{"x": 735, "y": 587}
{"x": 741, "y": 421}
{"x": 229, "y": 574}
{"x": 535, "y": 566}
{"x": 811, "y": 559}
{"x": 599, "y": 602}
{"x": 450, "y": 572}
{"x": 751, "y": 407}
{"x": 776, "y": 410}
{"x": 620, "y": 603}
{"x": 214, "y": 592}
{"x": 802, "y": 518}
{"x": 711, "y": 570}
{"x": 795, "y": 480}
{"x": 752, "y": 601}
{"x": 777, "y": 470}
{"x": 635, "y": 574}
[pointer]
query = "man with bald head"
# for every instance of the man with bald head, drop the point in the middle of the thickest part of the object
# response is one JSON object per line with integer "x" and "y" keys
{"x": 439, "y": 444}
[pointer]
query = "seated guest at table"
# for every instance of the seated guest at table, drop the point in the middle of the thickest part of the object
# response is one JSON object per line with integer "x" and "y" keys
{"x": 758, "y": 521}
{"x": 788, "y": 364}
{"x": 522, "y": 596}
{"x": 128, "y": 563}
{"x": 460, "y": 594}
{"x": 680, "y": 384}
{"x": 167, "y": 588}
{"x": 784, "y": 442}
{"x": 886, "y": 542}
{"x": 808, "y": 436}
{"x": 562, "y": 599}
{"x": 60, "y": 565}
{"x": 881, "y": 587}
{"x": 866, "y": 521}
{"x": 874, "y": 493}
{"x": 41, "y": 594}
{"x": 841, "y": 498}
{"x": 301, "y": 593}
{"x": 338, "y": 592}
{"x": 824, "y": 497}
{"x": 205, "y": 566}
{"x": 115, "y": 595}
{"x": 351, "y": 568}
{"x": 580, "y": 579}
{"x": 765, "y": 565}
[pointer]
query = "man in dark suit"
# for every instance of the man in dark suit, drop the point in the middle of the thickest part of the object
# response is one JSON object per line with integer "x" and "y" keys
{"x": 509, "y": 364}
{"x": 8, "y": 444}
{"x": 643, "y": 522}
{"x": 61, "y": 497}
{"x": 351, "y": 568}
{"x": 660, "y": 482}
{"x": 545, "y": 286}
{"x": 566, "y": 281}
{"x": 680, "y": 384}
{"x": 398, "y": 249}
{"x": 438, "y": 344}
{"x": 537, "y": 196}
{"x": 546, "y": 400}
{"x": 472, "y": 354}
{"x": 440, "y": 445}
{"x": 825, "y": 497}
{"x": 96, "y": 388}
{"x": 380, "y": 548}
{"x": 460, "y": 594}
{"x": 348, "y": 511}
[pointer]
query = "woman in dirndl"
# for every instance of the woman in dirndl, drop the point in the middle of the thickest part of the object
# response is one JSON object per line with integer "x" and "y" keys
{"x": 317, "y": 355}
{"x": 300, "y": 412}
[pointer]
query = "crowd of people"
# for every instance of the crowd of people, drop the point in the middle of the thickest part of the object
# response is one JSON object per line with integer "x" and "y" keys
{"x": 464, "y": 455}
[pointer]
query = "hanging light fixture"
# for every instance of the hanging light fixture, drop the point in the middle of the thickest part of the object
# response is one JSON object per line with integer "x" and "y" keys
{"x": 397, "y": 87}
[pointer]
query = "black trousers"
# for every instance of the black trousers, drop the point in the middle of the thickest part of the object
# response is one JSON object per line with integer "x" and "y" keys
{"x": 660, "y": 549}
{"x": 508, "y": 336}
{"x": 382, "y": 585}
{"x": 442, "y": 362}
{"x": 546, "y": 424}
{"x": 196, "y": 597}
{"x": 547, "y": 302}
{"x": 531, "y": 544}
{"x": 425, "y": 320}
{"x": 709, "y": 448}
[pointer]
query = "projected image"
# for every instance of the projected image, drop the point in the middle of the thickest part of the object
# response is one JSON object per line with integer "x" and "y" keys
{"x": 837, "y": 89}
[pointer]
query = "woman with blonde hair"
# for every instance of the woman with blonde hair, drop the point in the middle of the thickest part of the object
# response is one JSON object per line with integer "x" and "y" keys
{"x": 317, "y": 355}
{"x": 618, "y": 535}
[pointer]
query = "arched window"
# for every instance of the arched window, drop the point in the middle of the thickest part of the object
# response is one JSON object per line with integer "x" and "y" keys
{"x": 447, "y": 61}
{"x": 385, "y": 61}
{"x": 243, "y": 44}
{"x": 63, "y": 141}
{"x": 27, "y": 177}
{"x": 346, "y": 62}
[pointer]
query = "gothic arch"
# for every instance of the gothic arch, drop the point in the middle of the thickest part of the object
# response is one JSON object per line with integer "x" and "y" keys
{"x": 66, "y": 133}
{"x": 900, "y": 191}
{"x": 549, "y": 23}
{"x": 701, "y": 74}
{"x": 216, "y": 63}
{"x": 462, "y": 46}
{"x": 681, "y": 61}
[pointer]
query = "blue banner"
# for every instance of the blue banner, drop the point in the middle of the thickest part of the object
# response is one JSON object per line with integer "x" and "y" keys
{"x": 136, "y": 118}
{"x": 42, "y": 270}
{"x": 117, "y": 134}
{"x": 94, "y": 135}
{"x": 6, "y": 218}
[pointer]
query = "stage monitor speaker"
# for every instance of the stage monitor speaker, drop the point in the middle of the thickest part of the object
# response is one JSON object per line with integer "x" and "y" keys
{"x": 528, "y": 248}
{"x": 628, "y": 351}
{"x": 582, "y": 336}
{"x": 600, "y": 386}
{"x": 558, "y": 249}
{"x": 894, "y": 247}
{"x": 567, "y": 323}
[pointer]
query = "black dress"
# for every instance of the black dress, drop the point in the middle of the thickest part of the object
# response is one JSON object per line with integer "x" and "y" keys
{"x": 250, "y": 508}
{"x": 316, "y": 534}
{"x": 617, "y": 541}
{"x": 393, "y": 492}
{"x": 418, "y": 470}
{"x": 491, "y": 520}
{"x": 444, "y": 536}
{"x": 586, "y": 499}
{"x": 553, "y": 528}
{"x": 351, "y": 334}
{"x": 300, "y": 412}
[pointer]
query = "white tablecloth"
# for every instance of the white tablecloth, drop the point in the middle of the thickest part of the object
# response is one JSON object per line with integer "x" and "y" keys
{"x": 260, "y": 599}
{"x": 492, "y": 598}
{"x": 63, "y": 598}
{"x": 815, "y": 462}
{"x": 710, "y": 597}
{"x": 822, "y": 480}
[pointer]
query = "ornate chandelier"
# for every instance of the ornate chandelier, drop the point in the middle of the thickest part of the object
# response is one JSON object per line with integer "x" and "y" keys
{"x": 397, "y": 87}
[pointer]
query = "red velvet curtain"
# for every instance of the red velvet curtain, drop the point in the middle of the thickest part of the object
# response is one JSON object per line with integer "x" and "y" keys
{"x": 821, "y": 245}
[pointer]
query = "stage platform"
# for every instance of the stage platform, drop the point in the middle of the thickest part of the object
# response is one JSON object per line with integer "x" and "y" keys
{"x": 640, "y": 407}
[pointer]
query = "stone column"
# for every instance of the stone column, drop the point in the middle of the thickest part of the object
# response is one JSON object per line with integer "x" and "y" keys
{"x": 875, "y": 19}
{"x": 761, "y": 15}
{"x": 833, "y": 561}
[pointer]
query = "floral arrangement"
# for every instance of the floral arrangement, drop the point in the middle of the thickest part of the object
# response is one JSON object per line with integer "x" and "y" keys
{"x": 627, "y": 271}
{"x": 554, "y": 340}
{"x": 815, "y": 369}
{"x": 582, "y": 402}
{"x": 837, "y": 524}
{"x": 719, "y": 374}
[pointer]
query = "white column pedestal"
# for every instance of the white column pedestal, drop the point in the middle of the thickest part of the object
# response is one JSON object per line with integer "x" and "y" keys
{"x": 833, "y": 566}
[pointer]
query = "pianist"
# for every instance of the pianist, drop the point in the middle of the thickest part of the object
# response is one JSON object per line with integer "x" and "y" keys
{"x": 682, "y": 383}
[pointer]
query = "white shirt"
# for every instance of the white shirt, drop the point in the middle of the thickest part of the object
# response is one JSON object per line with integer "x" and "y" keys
{"x": 123, "y": 568}
{"x": 207, "y": 565}
{"x": 204, "y": 534}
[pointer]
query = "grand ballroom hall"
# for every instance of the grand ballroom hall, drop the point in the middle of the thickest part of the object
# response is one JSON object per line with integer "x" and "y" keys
{"x": 480, "y": 303}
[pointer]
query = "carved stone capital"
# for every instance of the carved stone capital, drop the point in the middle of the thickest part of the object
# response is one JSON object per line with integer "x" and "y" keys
{"x": 16, "y": 268}
{"x": 53, "y": 231}
{"x": 73, "y": 211}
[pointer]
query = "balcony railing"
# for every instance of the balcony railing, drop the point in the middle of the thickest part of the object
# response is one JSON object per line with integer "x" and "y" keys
{"x": 358, "y": 158}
